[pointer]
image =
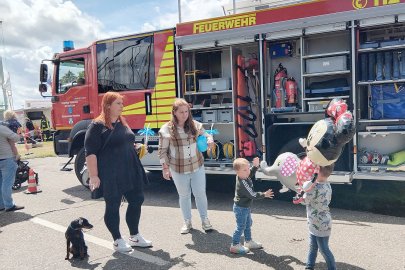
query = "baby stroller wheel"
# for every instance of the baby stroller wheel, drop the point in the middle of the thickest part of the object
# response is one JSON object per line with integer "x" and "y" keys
{"x": 16, "y": 186}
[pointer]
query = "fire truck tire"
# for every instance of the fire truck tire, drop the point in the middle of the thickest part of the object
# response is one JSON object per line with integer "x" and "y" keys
{"x": 293, "y": 146}
{"x": 79, "y": 163}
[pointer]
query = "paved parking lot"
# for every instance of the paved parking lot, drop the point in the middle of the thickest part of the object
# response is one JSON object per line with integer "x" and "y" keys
{"x": 34, "y": 238}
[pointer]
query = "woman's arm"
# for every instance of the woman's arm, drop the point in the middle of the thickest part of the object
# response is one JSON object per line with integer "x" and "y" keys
{"x": 163, "y": 153}
{"x": 91, "y": 161}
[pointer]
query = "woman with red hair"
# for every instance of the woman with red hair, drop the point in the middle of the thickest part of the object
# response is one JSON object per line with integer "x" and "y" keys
{"x": 115, "y": 168}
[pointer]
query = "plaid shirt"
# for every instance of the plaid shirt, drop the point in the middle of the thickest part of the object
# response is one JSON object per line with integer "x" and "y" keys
{"x": 180, "y": 154}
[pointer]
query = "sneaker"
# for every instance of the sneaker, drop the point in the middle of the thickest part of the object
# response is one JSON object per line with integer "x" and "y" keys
{"x": 253, "y": 245}
{"x": 206, "y": 225}
{"x": 15, "y": 208}
{"x": 121, "y": 246}
{"x": 186, "y": 227}
{"x": 139, "y": 241}
{"x": 239, "y": 249}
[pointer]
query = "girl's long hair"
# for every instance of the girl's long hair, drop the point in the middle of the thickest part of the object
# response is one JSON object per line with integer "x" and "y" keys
{"x": 105, "y": 115}
{"x": 189, "y": 127}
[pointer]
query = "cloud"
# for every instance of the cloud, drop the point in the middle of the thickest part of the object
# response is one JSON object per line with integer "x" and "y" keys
{"x": 33, "y": 30}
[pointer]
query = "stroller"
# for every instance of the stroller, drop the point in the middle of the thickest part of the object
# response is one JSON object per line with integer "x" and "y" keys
{"x": 22, "y": 174}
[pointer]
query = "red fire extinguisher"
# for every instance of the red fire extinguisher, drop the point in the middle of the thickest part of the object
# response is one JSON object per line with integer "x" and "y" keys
{"x": 291, "y": 92}
{"x": 280, "y": 75}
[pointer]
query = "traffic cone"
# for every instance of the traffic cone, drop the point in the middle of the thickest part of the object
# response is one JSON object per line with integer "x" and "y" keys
{"x": 32, "y": 184}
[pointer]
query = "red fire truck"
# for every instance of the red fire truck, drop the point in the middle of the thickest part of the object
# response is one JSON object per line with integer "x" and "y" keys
{"x": 259, "y": 80}
{"x": 141, "y": 67}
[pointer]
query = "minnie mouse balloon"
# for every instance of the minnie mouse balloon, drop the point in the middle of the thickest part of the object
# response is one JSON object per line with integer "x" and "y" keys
{"x": 322, "y": 146}
{"x": 202, "y": 144}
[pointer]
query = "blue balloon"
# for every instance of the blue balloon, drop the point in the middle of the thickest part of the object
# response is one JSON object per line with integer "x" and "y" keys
{"x": 202, "y": 144}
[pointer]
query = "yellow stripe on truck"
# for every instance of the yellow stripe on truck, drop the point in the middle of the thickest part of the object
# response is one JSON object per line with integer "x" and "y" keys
{"x": 166, "y": 71}
{"x": 168, "y": 55}
{"x": 161, "y": 79}
{"x": 166, "y": 86}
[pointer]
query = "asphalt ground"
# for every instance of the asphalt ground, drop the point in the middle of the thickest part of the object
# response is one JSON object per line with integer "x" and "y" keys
{"x": 34, "y": 237}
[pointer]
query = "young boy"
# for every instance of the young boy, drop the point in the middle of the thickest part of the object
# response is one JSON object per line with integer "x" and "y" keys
{"x": 244, "y": 195}
{"x": 319, "y": 219}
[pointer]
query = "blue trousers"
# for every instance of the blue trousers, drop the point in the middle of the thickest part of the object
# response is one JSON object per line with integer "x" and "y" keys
{"x": 321, "y": 243}
{"x": 8, "y": 168}
{"x": 243, "y": 224}
{"x": 191, "y": 183}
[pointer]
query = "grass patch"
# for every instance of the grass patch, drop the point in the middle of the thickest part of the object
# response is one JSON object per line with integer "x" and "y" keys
{"x": 43, "y": 149}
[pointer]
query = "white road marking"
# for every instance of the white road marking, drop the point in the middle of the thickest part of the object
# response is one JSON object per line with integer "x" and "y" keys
{"x": 103, "y": 243}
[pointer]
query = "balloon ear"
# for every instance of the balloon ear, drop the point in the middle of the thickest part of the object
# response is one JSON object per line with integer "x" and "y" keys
{"x": 289, "y": 167}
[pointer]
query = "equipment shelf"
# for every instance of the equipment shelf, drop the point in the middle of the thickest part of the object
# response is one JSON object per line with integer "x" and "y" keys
{"x": 380, "y": 82}
{"x": 387, "y": 48}
{"x": 326, "y": 73}
{"x": 212, "y": 108}
{"x": 207, "y": 93}
{"x": 325, "y": 54}
{"x": 321, "y": 98}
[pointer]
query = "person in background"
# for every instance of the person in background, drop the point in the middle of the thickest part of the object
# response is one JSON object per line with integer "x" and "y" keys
{"x": 182, "y": 161}
{"x": 45, "y": 128}
{"x": 317, "y": 202}
{"x": 10, "y": 120}
{"x": 30, "y": 131}
{"x": 244, "y": 196}
{"x": 113, "y": 163}
{"x": 8, "y": 168}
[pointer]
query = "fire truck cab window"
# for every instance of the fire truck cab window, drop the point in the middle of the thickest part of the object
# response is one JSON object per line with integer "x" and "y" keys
{"x": 70, "y": 72}
{"x": 126, "y": 64}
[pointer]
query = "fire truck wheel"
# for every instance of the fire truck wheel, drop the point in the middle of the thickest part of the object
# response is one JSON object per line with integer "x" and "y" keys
{"x": 293, "y": 146}
{"x": 79, "y": 163}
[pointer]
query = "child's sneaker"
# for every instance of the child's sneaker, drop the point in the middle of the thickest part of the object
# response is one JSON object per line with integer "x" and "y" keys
{"x": 186, "y": 227}
{"x": 139, "y": 241}
{"x": 121, "y": 245}
{"x": 239, "y": 249}
{"x": 253, "y": 245}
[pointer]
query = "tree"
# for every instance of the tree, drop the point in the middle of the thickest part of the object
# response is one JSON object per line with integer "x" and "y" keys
{"x": 69, "y": 77}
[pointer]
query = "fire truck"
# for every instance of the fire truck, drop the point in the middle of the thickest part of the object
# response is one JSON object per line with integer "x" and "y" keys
{"x": 258, "y": 81}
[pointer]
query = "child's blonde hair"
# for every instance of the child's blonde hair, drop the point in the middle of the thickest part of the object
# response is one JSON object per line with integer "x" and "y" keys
{"x": 8, "y": 115}
{"x": 326, "y": 171}
{"x": 239, "y": 162}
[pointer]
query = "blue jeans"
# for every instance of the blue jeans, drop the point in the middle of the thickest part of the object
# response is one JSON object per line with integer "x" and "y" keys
{"x": 193, "y": 182}
{"x": 243, "y": 224}
{"x": 322, "y": 243}
{"x": 8, "y": 168}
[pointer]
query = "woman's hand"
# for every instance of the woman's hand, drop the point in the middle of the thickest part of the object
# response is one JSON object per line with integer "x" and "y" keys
{"x": 166, "y": 173}
{"x": 94, "y": 182}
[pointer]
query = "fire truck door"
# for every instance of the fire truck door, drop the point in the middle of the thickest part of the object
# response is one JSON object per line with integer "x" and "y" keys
{"x": 71, "y": 93}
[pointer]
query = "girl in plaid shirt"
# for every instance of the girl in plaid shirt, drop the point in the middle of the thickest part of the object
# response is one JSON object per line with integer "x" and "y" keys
{"x": 182, "y": 162}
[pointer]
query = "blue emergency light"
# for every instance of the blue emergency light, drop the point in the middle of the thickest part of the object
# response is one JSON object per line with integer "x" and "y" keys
{"x": 68, "y": 45}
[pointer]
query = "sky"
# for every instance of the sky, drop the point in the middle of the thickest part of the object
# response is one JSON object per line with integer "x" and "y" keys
{"x": 33, "y": 30}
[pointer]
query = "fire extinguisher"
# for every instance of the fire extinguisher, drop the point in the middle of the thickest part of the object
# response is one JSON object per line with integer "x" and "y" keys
{"x": 291, "y": 92}
{"x": 280, "y": 75}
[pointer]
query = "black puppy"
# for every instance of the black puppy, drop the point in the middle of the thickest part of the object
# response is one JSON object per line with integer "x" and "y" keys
{"x": 74, "y": 235}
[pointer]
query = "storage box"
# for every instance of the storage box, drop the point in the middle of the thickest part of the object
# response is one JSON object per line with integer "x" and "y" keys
{"x": 225, "y": 116}
{"x": 326, "y": 64}
{"x": 218, "y": 84}
{"x": 387, "y": 102}
{"x": 209, "y": 116}
{"x": 317, "y": 106}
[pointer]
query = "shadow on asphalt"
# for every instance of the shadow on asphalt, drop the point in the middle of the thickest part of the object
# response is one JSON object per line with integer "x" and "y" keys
{"x": 122, "y": 261}
{"x": 83, "y": 264}
{"x": 202, "y": 244}
{"x": 220, "y": 193}
{"x": 7, "y": 218}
